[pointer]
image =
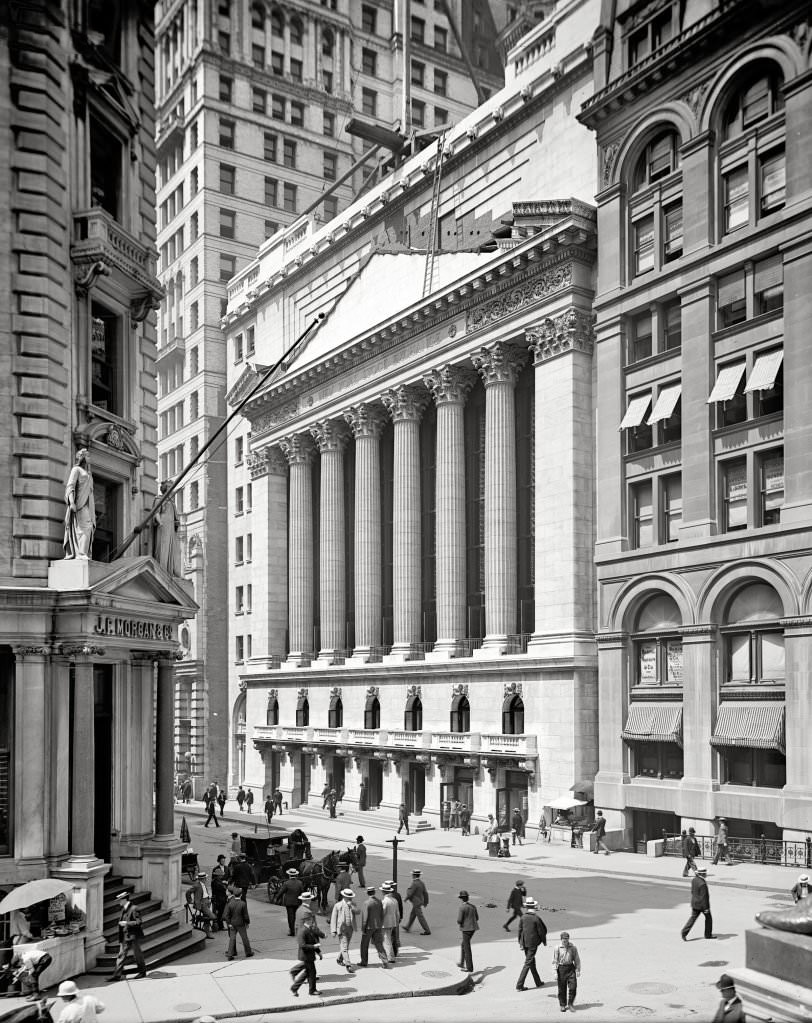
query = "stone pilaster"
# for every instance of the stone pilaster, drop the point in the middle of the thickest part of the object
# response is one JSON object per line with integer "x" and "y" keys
{"x": 34, "y": 794}
{"x": 83, "y": 753}
{"x": 299, "y": 452}
{"x": 499, "y": 366}
{"x": 449, "y": 387}
{"x": 269, "y": 476}
{"x": 406, "y": 405}
{"x": 366, "y": 422}
{"x": 164, "y": 751}
{"x": 797, "y": 793}
{"x": 331, "y": 439}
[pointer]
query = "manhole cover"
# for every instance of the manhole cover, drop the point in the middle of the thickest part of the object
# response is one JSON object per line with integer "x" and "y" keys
{"x": 651, "y": 988}
{"x": 715, "y": 962}
{"x": 186, "y": 1007}
{"x": 435, "y": 973}
{"x": 635, "y": 1010}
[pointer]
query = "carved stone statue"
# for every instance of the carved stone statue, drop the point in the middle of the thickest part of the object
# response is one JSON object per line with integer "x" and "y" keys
{"x": 165, "y": 526}
{"x": 796, "y": 919}
{"x": 80, "y": 516}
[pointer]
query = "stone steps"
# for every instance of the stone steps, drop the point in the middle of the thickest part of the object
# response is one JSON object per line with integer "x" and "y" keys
{"x": 375, "y": 818}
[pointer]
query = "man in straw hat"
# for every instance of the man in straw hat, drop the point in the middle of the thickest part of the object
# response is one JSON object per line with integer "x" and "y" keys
{"x": 130, "y": 934}
{"x": 700, "y": 903}
{"x": 532, "y": 933}
{"x": 308, "y": 934}
{"x": 78, "y": 1008}
{"x": 343, "y": 925}
{"x": 391, "y": 921}
{"x": 801, "y": 888}
{"x": 288, "y": 896}
{"x": 418, "y": 895}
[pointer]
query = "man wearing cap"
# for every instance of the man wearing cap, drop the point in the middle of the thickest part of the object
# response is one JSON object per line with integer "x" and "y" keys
{"x": 200, "y": 898}
{"x": 700, "y": 903}
{"x": 514, "y": 904}
{"x": 468, "y": 923}
{"x": 372, "y": 928}
{"x": 532, "y": 933}
{"x": 343, "y": 925}
{"x": 567, "y": 964}
{"x": 360, "y": 860}
{"x": 236, "y": 918}
{"x": 731, "y": 1009}
{"x": 417, "y": 894}
{"x": 78, "y": 1008}
{"x": 331, "y": 802}
{"x": 391, "y": 920}
{"x": 130, "y": 933}
{"x": 801, "y": 888}
{"x": 288, "y": 897}
{"x": 722, "y": 851}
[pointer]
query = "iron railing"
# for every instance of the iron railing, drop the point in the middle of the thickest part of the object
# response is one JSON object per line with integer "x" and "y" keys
{"x": 772, "y": 851}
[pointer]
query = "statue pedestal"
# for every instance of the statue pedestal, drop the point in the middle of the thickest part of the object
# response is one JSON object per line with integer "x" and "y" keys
{"x": 69, "y": 574}
{"x": 775, "y": 985}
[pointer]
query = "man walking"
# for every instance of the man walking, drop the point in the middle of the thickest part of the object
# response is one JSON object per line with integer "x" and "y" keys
{"x": 289, "y": 894}
{"x": 331, "y": 803}
{"x": 517, "y": 826}
{"x": 700, "y": 903}
{"x": 722, "y": 851}
{"x": 219, "y": 893}
{"x": 130, "y": 934}
{"x": 567, "y": 965}
{"x": 532, "y": 933}
{"x": 372, "y": 929}
{"x": 343, "y": 879}
{"x": 391, "y": 921}
{"x": 465, "y": 819}
{"x": 238, "y": 921}
{"x": 514, "y": 904}
{"x": 240, "y": 797}
{"x": 343, "y": 925}
{"x": 403, "y": 818}
{"x": 268, "y": 808}
{"x": 325, "y": 795}
{"x": 468, "y": 923}
{"x": 399, "y": 899}
{"x": 417, "y": 894}
{"x": 198, "y": 896}
{"x": 277, "y": 800}
{"x": 211, "y": 810}
{"x": 242, "y": 876}
{"x": 599, "y": 827}
{"x": 249, "y": 801}
{"x": 360, "y": 860}
{"x": 690, "y": 850}
{"x": 309, "y": 948}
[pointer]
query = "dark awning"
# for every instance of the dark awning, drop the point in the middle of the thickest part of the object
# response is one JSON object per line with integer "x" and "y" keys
{"x": 654, "y": 722}
{"x": 755, "y": 725}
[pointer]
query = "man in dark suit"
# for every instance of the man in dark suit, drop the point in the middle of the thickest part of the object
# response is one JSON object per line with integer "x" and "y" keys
{"x": 289, "y": 897}
{"x": 130, "y": 934}
{"x": 700, "y": 903}
{"x": 532, "y": 933}
{"x": 372, "y": 929}
{"x": 242, "y": 876}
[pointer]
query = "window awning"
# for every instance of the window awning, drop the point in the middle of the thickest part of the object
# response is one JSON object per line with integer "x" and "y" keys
{"x": 727, "y": 383}
{"x": 765, "y": 370}
{"x": 636, "y": 411}
{"x": 666, "y": 403}
{"x": 654, "y": 722}
{"x": 755, "y": 725}
{"x": 567, "y": 802}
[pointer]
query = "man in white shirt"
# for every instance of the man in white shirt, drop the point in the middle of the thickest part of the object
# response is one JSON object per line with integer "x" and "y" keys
{"x": 567, "y": 965}
{"x": 78, "y": 1008}
{"x": 343, "y": 925}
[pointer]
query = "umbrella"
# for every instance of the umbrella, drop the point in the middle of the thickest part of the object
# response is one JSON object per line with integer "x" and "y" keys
{"x": 34, "y": 891}
{"x": 184, "y": 832}
{"x": 565, "y": 803}
{"x": 584, "y": 788}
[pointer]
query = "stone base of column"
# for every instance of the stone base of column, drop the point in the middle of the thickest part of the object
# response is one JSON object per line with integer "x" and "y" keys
{"x": 161, "y": 870}
{"x": 87, "y": 873}
{"x": 365, "y": 655}
{"x": 494, "y": 646}
{"x": 570, "y": 645}
{"x": 444, "y": 649}
{"x": 327, "y": 658}
{"x": 297, "y": 659}
{"x": 402, "y": 652}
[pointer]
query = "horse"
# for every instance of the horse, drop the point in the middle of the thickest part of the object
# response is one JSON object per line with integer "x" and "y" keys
{"x": 318, "y": 876}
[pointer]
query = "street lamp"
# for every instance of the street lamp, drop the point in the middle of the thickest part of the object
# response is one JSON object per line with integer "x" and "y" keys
{"x": 395, "y": 842}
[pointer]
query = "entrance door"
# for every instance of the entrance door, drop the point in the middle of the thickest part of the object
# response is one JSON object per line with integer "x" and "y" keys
{"x": 103, "y": 752}
{"x": 513, "y": 796}
{"x": 337, "y": 776}
{"x": 375, "y": 784}
{"x": 304, "y": 777}
{"x": 650, "y": 824}
{"x": 416, "y": 789}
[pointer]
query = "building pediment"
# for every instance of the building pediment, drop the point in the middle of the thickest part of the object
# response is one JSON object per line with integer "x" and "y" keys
{"x": 141, "y": 579}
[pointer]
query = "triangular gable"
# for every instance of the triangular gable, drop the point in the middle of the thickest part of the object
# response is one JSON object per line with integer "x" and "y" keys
{"x": 244, "y": 383}
{"x": 386, "y": 286}
{"x": 141, "y": 580}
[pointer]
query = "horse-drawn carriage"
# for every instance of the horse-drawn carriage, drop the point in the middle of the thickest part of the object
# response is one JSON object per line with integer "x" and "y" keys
{"x": 271, "y": 855}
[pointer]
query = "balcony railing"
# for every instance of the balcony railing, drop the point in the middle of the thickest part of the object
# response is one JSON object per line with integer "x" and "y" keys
{"x": 97, "y": 236}
{"x": 296, "y": 733}
{"x": 463, "y": 742}
{"x": 366, "y": 737}
{"x": 516, "y": 745}
{"x": 748, "y": 850}
{"x": 410, "y": 740}
{"x": 329, "y": 735}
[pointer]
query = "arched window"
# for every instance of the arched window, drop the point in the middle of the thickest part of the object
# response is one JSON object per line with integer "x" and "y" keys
{"x": 655, "y": 207}
{"x": 460, "y": 714}
{"x": 658, "y": 643}
{"x": 513, "y": 716}
{"x": 413, "y": 715}
{"x": 272, "y": 711}
{"x": 754, "y": 637}
{"x": 372, "y": 713}
{"x": 659, "y": 159}
{"x": 302, "y": 711}
{"x": 758, "y": 96}
{"x": 277, "y": 24}
{"x": 327, "y": 43}
{"x": 335, "y": 715}
{"x": 296, "y": 32}
{"x": 258, "y": 16}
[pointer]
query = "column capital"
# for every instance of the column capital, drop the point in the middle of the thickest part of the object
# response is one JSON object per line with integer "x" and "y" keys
{"x": 298, "y": 449}
{"x": 572, "y": 331}
{"x": 406, "y": 402}
{"x": 499, "y": 363}
{"x": 30, "y": 651}
{"x": 330, "y": 435}
{"x": 450, "y": 385}
{"x": 267, "y": 462}
{"x": 366, "y": 420}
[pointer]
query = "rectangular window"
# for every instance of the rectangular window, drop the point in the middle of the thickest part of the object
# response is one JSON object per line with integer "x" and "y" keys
{"x": 644, "y": 244}
{"x": 671, "y": 507}
{"x": 641, "y": 346}
{"x": 369, "y": 19}
{"x": 269, "y": 147}
{"x": 369, "y": 62}
{"x": 297, "y": 114}
{"x": 271, "y": 227}
{"x": 250, "y": 346}
{"x": 369, "y": 102}
{"x": 278, "y": 107}
{"x": 194, "y": 316}
{"x": 228, "y": 267}
{"x": 193, "y": 272}
{"x": 238, "y": 348}
{"x": 734, "y": 495}
{"x": 289, "y": 197}
{"x": 418, "y": 33}
{"x": 418, "y": 73}
{"x": 440, "y": 82}
{"x": 239, "y": 550}
{"x": 258, "y": 55}
{"x": 226, "y": 133}
{"x": 418, "y": 113}
{"x": 239, "y": 501}
{"x": 671, "y": 318}
{"x": 329, "y": 167}
{"x": 194, "y": 369}
{"x": 228, "y": 178}
{"x": 772, "y": 181}
{"x": 106, "y": 383}
{"x": 731, "y": 305}
{"x": 296, "y": 69}
{"x": 239, "y": 600}
{"x": 249, "y": 595}
{"x": 441, "y": 39}
{"x": 194, "y": 496}
{"x": 768, "y": 285}
{"x": 249, "y": 546}
{"x": 639, "y": 45}
{"x": 328, "y": 124}
{"x": 224, "y": 42}
{"x": 737, "y": 198}
{"x": 672, "y": 231}
{"x": 278, "y": 63}
{"x": 194, "y": 230}
{"x": 642, "y": 516}
{"x": 226, "y": 86}
{"x": 289, "y": 153}
{"x": 194, "y": 406}
{"x": 193, "y": 181}
{"x": 440, "y": 116}
{"x": 271, "y": 189}
{"x": 330, "y": 207}
{"x": 771, "y": 469}
{"x": 239, "y": 648}
{"x": 327, "y": 80}
{"x": 239, "y": 445}
{"x": 259, "y": 100}
{"x": 249, "y": 497}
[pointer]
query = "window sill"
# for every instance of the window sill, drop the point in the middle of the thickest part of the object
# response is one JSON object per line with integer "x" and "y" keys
{"x": 746, "y": 324}
{"x": 652, "y": 360}
{"x": 657, "y": 691}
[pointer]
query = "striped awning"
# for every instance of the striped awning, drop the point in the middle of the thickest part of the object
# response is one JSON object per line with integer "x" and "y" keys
{"x": 755, "y": 725}
{"x": 654, "y": 722}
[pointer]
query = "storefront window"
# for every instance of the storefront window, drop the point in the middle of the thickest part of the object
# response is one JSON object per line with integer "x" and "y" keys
{"x": 6, "y": 749}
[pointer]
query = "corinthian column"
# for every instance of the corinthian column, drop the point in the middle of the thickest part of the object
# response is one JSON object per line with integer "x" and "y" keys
{"x": 406, "y": 405}
{"x": 449, "y": 387}
{"x": 299, "y": 452}
{"x": 366, "y": 422}
{"x": 331, "y": 438}
{"x": 499, "y": 366}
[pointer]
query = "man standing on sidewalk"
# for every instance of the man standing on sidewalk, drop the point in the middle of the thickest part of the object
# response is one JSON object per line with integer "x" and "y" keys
{"x": 690, "y": 850}
{"x": 532, "y": 933}
{"x": 343, "y": 925}
{"x": 236, "y": 918}
{"x": 514, "y": 904}
{"x": 599, "y": 827}
{"x": 391, "y": 921}
{"x": 700, "y": 903}
{"x": 468, "y": 923}
{"x": 372, "y": 929}
{"x": 417, "y": 894}
{"x": 567, "y": 965}
{"x": 289, "y": 897}
{"x": 721, "y": 844}
{"x": 360, "y": 860}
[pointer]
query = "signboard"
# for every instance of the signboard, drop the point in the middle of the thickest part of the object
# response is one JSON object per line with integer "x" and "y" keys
{"x": 648, "y": 664}
{"x": 132, "y": 628}
{"x": 673, "y": 649}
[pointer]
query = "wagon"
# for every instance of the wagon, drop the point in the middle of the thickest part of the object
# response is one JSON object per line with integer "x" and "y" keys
{"x": 269, "y": 856}
{"x": 189, "y": 865}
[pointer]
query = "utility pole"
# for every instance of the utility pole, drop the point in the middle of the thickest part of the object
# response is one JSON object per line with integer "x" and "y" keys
{"x": 395, "y": 842}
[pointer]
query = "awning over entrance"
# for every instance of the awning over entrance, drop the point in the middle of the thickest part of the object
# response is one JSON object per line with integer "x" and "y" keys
{"x": 565, "y": 802}
{"x": 654, "y": 722}
{"x": 755, "y": 725}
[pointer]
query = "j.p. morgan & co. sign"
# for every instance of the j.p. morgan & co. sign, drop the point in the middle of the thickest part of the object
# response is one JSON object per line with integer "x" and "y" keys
{"x": 131, "y": 628}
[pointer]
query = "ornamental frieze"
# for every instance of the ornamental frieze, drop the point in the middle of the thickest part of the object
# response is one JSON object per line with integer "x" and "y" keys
{"x": 513, "y": 689}
{"x": 278, "y": 415}
{"x": 512, "y": 301}
{"x": 572, "y": 331}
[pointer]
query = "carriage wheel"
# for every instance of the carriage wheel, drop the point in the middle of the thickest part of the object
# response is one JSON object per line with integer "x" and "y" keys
{"x": 274, "y": 885}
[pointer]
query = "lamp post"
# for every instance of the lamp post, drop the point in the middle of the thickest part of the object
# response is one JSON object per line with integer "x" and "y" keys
{"x": 395, "y": 842}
